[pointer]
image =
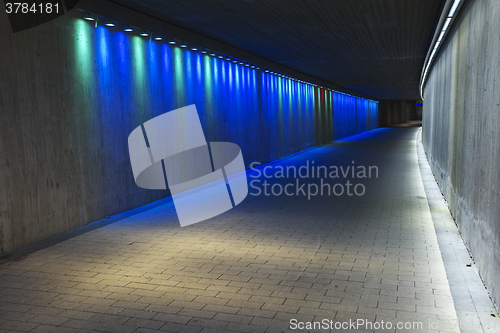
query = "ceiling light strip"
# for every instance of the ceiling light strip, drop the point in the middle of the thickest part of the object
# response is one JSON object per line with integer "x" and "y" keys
{"x": 438, "y": 43}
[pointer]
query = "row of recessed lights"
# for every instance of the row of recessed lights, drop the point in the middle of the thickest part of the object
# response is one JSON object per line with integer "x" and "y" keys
{"x": 446, "y": 25}
{"x": 158, "y": 37}
{"x": 144, "y": 33}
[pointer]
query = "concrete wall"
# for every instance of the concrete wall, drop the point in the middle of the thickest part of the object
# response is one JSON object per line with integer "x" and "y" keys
{"x": 392, "y": 113}
{"x": 71, "y": 93}
{"x": 461, "y": 131}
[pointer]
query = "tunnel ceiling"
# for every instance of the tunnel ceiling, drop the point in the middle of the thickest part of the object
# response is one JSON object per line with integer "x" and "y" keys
{"x": 374, "y": 47}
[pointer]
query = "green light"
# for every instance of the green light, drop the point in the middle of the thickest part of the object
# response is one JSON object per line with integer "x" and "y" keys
{"x": 84, "y": 79}
{"x": 139, "y": 75}
{"x": 209, "y": 93}
{"x": 179, "y": 77}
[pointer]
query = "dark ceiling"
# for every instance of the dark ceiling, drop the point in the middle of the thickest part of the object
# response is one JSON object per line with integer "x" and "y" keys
{"x": 374, "y": 47}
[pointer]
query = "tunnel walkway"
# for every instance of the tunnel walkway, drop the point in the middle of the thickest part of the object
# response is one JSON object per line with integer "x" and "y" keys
{"x": 367, "y": 257}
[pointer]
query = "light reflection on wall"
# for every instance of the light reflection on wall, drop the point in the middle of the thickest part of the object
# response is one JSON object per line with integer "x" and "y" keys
{"x": 83, "y": 62}
{"x": 179, "y": 81}
{"x": 266, "y": 115}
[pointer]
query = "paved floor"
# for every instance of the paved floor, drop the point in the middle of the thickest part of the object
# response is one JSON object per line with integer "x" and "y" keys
{"x": 272, "y": 264}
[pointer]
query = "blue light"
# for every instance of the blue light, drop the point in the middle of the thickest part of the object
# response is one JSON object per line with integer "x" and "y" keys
{"x": 144, "y": 33}
{"x": 128, "y": 29}
{"x": 148, "y": 69}
{"x": 158, "y": 38}
{"x": 183, "y": 45}
{"x": 194, "y": 48}
{"x": 109, "y": 24}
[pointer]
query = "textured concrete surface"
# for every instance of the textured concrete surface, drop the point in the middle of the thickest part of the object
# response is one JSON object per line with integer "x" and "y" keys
{"x": 392, "y": 113}
{"x": 472, "y": 302}
{"x": 461, "y": 132}
{"x": 253, "y": 269}
{"x": 71, "y": 93}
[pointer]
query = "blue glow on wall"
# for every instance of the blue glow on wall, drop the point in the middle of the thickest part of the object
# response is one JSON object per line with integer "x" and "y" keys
{"x": 266, "y": 115}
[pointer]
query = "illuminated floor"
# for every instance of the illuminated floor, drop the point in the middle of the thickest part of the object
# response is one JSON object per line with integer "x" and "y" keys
{"x": 266, "y": 266}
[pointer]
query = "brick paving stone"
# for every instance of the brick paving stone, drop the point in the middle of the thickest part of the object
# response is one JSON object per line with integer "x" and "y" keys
{"x": 208, "y": 323}
{"x": 221, "y": 308}
{"x": 49, "y": 320}
{"x": 114, "y": 328}
{"x": 15, "y": 325}
{"x": 81, "y": 324}
{"x": 49, "y": 329}
{"x": 76, "y": 314}
{"x": 145, "y": 323}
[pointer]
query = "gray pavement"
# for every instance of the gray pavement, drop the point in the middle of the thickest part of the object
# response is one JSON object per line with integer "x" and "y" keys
{"x": 365, "y": 262}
